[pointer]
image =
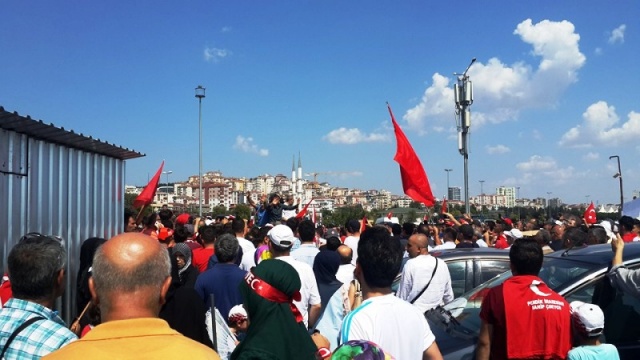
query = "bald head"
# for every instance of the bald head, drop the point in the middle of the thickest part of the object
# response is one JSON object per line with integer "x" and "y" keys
{"x": 130, "y": 264}
{"x": 417, "y": 245}
{"x": 346, "y": 254}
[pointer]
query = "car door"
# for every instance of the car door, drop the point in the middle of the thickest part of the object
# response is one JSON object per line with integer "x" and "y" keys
{"x": 621, "y": 314}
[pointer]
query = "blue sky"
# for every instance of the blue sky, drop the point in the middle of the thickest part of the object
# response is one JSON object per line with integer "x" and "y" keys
{"x": 555, "y": 87}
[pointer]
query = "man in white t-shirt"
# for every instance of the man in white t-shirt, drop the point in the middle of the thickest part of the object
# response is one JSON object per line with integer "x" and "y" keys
{"x": 417, "y": 273}
{"x": 239, "y": 227}
{"x": 398, "y": 327}
{"x": 345, "y": 271}
{"x": 308, "y": 250}
{"x": 281, "y": 240}
{"x": 352, "y": 227}
{"x": 449, "y": 236}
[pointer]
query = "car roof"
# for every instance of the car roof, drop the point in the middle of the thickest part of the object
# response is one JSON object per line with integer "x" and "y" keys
{"x": 469, "y": 253}
{"x": 598, "y": 254}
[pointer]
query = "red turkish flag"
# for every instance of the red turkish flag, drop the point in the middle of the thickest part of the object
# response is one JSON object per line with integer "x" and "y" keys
{"x": 444, "y": 206}
{"x": 590, "y": 215}
{"x": 146, "y": 196}
{"x": 389, "y": 215}
{"x": 303, "y": 212}
{"x": 414, "y": 179}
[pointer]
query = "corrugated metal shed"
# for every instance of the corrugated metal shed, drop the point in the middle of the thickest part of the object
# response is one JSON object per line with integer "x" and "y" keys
{"x": 57, "y": 182}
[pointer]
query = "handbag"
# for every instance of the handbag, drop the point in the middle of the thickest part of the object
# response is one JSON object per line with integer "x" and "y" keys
{"x": 429, "y": 283}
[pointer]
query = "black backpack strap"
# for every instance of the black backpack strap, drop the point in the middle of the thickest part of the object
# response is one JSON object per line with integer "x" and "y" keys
{"x": 15, "y": 333}
{"x": 429, "y": 283}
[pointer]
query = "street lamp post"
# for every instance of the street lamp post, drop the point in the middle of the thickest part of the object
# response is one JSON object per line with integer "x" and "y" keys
{"x": 200, "y": 95}
{"x": 167, "y": 173}
{"x": 619, "y": 176}
{"x": 482, "y": 197}
{"x": 518, "y": 198}
{"x": 448, "y": 193}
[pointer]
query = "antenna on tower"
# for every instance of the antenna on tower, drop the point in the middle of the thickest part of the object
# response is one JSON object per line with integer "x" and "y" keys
{"x": 463, "y": 96}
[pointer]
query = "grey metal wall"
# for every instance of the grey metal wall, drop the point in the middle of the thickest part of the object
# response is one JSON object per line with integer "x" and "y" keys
{"x": 57, "y": 190}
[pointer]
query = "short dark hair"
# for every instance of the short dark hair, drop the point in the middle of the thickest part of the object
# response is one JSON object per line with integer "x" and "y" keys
{"x": 306, "y": 230}
{"x": 408, "y": 228}
{"x": 526, "y": 257}
{"x": 379, "y": 256}
{"x": 237, "y": 225}
{"x": 181, "y": 234}
{"x": 226, "y": 248}
{"x": 396, "y": 229}
{"x": 34, "y": 263}
{"x": 597, "y": 235}
{"x": 626, "y": 222}
{"x": 449, "y": 234}
{"x": 352, "y": 226}
{"x": 333, "y": 242}
{"x": 208, "y": 234}
{"x": 574, "y": 237}
{"x": 292, "y": 223}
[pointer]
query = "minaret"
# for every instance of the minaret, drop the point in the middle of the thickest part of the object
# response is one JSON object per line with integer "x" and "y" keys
{"x": 299, "y": 186}
{"x": 293, "y": 174}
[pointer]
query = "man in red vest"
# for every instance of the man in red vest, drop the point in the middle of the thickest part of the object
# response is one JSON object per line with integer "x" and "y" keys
{"x": 523, "y": 318}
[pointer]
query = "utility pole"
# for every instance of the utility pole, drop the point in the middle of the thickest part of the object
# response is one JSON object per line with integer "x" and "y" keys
{"x": 463, "y": 95}
{"x": 619, "y": 176}
{"x": 482, "y": 197}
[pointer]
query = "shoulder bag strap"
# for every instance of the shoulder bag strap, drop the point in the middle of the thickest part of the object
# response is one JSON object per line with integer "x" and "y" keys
{"x": 429, "y": 283}
{"x": 15, "y": 333}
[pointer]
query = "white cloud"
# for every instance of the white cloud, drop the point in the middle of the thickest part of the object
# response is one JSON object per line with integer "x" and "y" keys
{"x": 215, "y": 54}
{"x": 598, "y": 128}
{"x": 537, "y": 163}
{"x": 225, "y": 29}
{"x": 352, "y": 136}
{"x": 245, "y": 144}
{"x": 498, "y": 149}
{"x": 501, "y": 91}
{"x": 591, "y": 156}
{"x": 617, "y": 35}
{"x": 543, "y": 171}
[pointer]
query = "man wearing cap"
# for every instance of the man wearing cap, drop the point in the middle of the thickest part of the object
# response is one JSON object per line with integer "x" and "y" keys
{"x": 130, "y": 279}
{"x": 587, "y": 321}
{"x": 281, "y": 240}
{"x": 523, "y": 318}
{"x": 165, "y": 236}
{"x": 425, "y": 280}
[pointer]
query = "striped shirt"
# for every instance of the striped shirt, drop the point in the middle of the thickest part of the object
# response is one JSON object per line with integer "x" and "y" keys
{"x": 39, "y": 338}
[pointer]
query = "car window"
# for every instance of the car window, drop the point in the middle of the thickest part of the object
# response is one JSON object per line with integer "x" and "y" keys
{"x": 488, "y": 269}
{"x": 458, "y": 271}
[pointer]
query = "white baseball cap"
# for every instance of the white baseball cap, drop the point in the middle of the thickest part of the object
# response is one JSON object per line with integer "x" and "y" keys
{"x": 281, "y": 235}
{"x": 588, "y": 317}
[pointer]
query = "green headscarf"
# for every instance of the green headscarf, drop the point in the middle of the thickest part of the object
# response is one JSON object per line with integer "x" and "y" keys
{"x": 273, "y": 331}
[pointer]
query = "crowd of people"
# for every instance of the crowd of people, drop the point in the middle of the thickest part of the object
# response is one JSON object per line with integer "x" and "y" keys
{"x": 281, "y": 287}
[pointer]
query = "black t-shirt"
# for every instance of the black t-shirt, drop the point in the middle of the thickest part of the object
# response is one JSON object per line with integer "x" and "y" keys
{"x": 467, "y": 244}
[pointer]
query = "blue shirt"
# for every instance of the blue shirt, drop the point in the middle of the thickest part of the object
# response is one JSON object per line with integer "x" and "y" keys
{"x": 594, "y": 352}
{"x": 38, "y": 339}
{"x": 223, "y": 281}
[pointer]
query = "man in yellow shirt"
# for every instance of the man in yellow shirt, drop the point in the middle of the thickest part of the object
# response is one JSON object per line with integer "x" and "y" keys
{"x": 130, "y": 278}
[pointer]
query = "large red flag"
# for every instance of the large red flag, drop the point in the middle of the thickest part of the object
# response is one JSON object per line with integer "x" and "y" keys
{"x": 302, "y": 213}
{"x": 444, "y": 206}
{"x": 590, "y": 215}
{"x": 414, "y": 179}
{"x": 146, "y": 196}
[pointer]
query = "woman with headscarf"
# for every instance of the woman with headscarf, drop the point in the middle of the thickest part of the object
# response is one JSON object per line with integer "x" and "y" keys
{"x": 276, "y": 330}
{"x": 83, "y": 296}
{"x": 184, "y": 310}
{"x": 187, "y": 273}
{"x": 325, "y": 267}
